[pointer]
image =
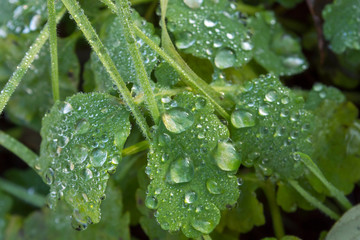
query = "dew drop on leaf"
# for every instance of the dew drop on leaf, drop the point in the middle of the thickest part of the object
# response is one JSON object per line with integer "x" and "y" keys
{"x": 193, "y": 3}
{"x": 180, "y": 171}
{"x": 82, "y": 126}
{"x": 271, "y": 96}
{"x": 264, "y": 110}
{"x": 212, "y": 186}
{"x": 98, "y": 157}
{"x": 225, "y": 58}
{"x": 67, "y": 108}
{"x": 226, "y": 157}
{"x": 81, "y": 153}
{"x": 190, "y": 197}
{"x": 203, "y": 226}
{"x": 246, "y": 46}
{"x": 242, "y": 119}
{"x": 177, "y": 120}
{"x": 293, "y": 62}
{"x": 151, "y": 202}
{"x": 185, "y": 40}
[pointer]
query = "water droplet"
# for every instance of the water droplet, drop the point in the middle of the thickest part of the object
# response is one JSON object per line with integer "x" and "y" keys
{"x": 184, "y": 40}
{"x": 67, "y": 108}
{"x": 225, "y": 58}
{"x": 165, "y": 157}
{"x": 190, "y": 197}
{"x": 318, "y": 87}
{"x": 80, "y": 153}
{"x": 285, "y": 100}
{"x": 240, "y": 181}
{"x": 226, "y": 157}
{"x": 271, "y": 96}
{"x": 49, "y": 176}
{"x": 193, "y": 3}
{"x": 177, "y": 119}
{"x": 180, "y": 171}
{"x": 151, "y": 202}
{"x": 246, "y": 46}
{"x": 78, "y": 221}
{"x": 296, "y": 156}
{"x": 88, "y": 174}
{"x": 82, "y": 126}
{"x": 164, "y": 139}
{"x": 242, "y": 119}
{"x": 35, "y": 22}
{"x": 230, "y": 36}
{"x": 264, "y": 110}
{"x": 98, "y": 157}
{"x": 293, "y": 62}
{"x": 200, "y": 103}
{"x": 209, "y": 23}
{"x": 62, "y": 141}
{"x": 212, "y": 186}
{"x": 203, "y": 226}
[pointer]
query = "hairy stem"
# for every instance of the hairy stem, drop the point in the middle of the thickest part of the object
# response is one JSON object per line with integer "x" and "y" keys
{"x": 312, "y": 200}
{"x": 142, "y": 76}
{"x": 336, "y": 193}
{"x": 25, "y": 63}
{"x": 34, "y": 199}
{"x": 19, "y": 149}
{"x": 269, "y": 190}
{"x": 136, "y": 148}
{"x": 53, "y": 49}
{"x": 89, "y": 32}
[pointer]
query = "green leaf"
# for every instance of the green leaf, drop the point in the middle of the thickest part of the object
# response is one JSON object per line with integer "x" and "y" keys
{"x": 26, "y": 107}
{"x": 347, "y": 227}
{"x": 288, "y": 237}
{"x": 166, "y": 76}
{"x": 82, "y": 142}
{"x": 336, "y": 137}
{"x": 249, "y": 211}
{"x": 5, "y": 206}
{"x": 276, "y": 50}
{"x": 191, "y": 167}
{"x": 212, "y": 30}
{"x": 341, "y": 24}
{"x": 269, "y": 125}
{"x": 289, "y": 3}
{"x": 114, "y": 39}
{"x": 55, "y": 225}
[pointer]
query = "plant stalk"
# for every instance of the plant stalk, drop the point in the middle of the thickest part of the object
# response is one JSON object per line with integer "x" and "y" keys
{"x": 89, "y": 32}
{"x": 136, "y": 148}
{"x": 53, "y": 49}
{"x": 312, "y": 200}
{"x": 25, "y": 63}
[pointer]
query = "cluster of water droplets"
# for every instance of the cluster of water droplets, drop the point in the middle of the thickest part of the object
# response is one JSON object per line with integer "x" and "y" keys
{"x": 191, "y": 165}
{"x": 115, "y": 41}
{"x": 269, "y": 124}
{"x": 206, "y": 30}
{"x": 82, "y": 144}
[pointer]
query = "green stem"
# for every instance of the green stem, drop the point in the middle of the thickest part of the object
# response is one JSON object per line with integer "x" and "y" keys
{"x": 312, "y": 200}
{"x": 336, "y": 193}
{"x": 53, "y": 49}
{"x": 194, "y": 82}
{"x": 34, "y": 199}
{"x": 25, "y": 63}
{"x": 244, "y": 8}
{"x": 127, "y": 23}
{"x": 206, "y": 237}
{"x": 83, "y": 23}
{"x": 18, "y": 149}
{"x": 269, "y": 190}
{"x": 136, "y": 148}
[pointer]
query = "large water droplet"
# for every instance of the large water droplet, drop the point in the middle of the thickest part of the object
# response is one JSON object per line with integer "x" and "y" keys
{"x": 180, "y": 171}
{"x": 178, "y": 119}
{"x": 80, "y": 153}
{"x": 271, "y": 96}
{"x": 203, "y": 226}
{"x": 78, "y": 221}
{"x": 242, "y": 119}
{"x": 67, "y": 108}
{"x": 226, "y": 157}
{"x": 193, "y": 3}
{"x": 184, "y": 40}
{"x": 98, "y": 157}
{"x": 190, "y": 197}
{"x": 212, "y": 186}
{"x": 225, "y": 58}
{"x": 151, "y": 202}
{"x": 264, "y": 110}
{"x": 82, "y": 126}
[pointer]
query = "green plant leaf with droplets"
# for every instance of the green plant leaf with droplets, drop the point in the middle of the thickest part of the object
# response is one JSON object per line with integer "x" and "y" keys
{"x": 276, "y": 50}
{"x": 341, "y": 26}
{"x": 82, "y": 142}
{"x": 26, "y": 106}
{"x": 191, "y": 167}
{"x": 248, "y": 211}
{"x": 210, "y": 29}
{"x": 114, "y": 39}
{"x": 269, "y": 125}
{"x": 55, "y": 225}
{"x": 336, "y": 136}
{"x": 22, "y": 16}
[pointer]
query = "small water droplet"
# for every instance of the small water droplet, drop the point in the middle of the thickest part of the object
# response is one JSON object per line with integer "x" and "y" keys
{"x": 264, "y": 110}
{"x": 164, "y": 139}
{"x": 240, "y": 181}
{"x": 82, "y": 126}
{"x": 78, "y": 221}
{"x": 242, "y": 119}
{"x": 184, "y": 40}
{"x": 226, "y": 157}
{"x": 209, "y": 23}
{"x": 193, "y": 3}
{"x": 180, "y": 171}
{"x": 80, "y": 153}
{"x": 67, "y": 108}
{"x": 178, "y": 119}
{"x": 212, "y": 186}
{"x": 151, "y": 202}
{"x": 190, "y": 197}
{"x": 296, "y": 156}
{"x": 246, "y": 46}
{"x": 225, "y": 58}
{"x": 164, "y": 157}
{"x": 49, "y": 176}
{"x": 285, "y": 100}
{"x": 271, "y": 96}
{"x": 203, "y": 226}
{"x": 98, "y": 157}
{"x": 293, "y": 62}
{"x": 88, "y": 174}
{"x": 200, "y": 103}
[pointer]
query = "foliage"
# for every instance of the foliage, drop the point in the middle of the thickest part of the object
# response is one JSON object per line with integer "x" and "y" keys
{"x": 198, "y": 135}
